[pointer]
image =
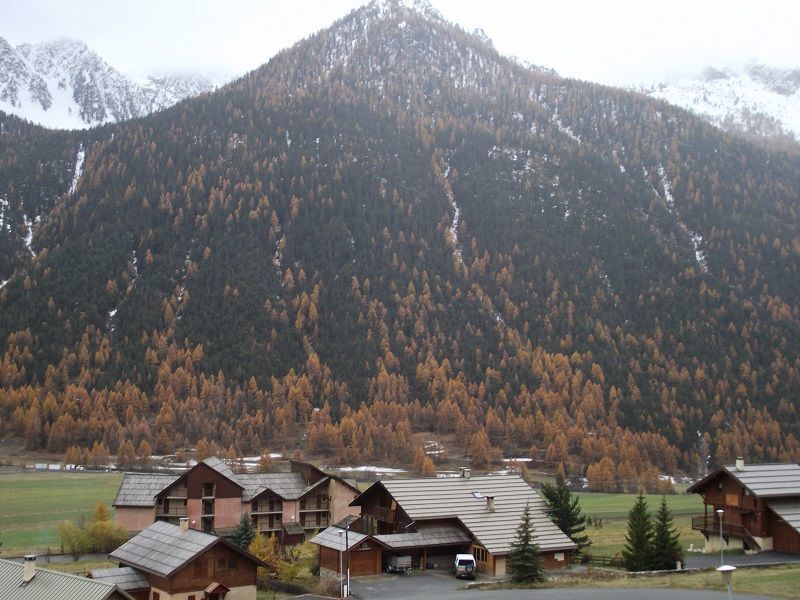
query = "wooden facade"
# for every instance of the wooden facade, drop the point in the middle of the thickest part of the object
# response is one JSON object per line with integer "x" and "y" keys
{"x": 749, "y": 518}
{"x": 220, "y": 564}
{"x": 365, "y": 559}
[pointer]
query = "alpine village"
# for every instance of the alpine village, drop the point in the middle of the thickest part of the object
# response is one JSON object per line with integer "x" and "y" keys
{"x": 397, "y": 316}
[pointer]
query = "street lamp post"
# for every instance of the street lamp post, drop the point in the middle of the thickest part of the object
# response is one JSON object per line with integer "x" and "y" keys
{"x": 347, "y": 549}
{"x": 341, "y": 572}
{"x": 721, "y": 512}
{"x": 727, "y": 575}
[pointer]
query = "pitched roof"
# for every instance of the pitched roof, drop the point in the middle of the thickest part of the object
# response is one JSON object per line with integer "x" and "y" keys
{"x": 140, "y": 489}
{"x": 220, "y": 467}
{"x": 788, "y": 510}
{"x": 765, "y": 480}
{"x": 163, "y": 548}
{"x": 334, "y": 538}
{"x": 127, "y": 578}
{"x": 289, "y": 486}
{"x": 443, "y": 535}
{"x": 52, "y": 585}
{"x": 465, "y": 499}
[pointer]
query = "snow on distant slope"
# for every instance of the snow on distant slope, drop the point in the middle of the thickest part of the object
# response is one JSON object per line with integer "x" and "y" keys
{"x": 757, "y": 101}
{"x": 64, "y": 85}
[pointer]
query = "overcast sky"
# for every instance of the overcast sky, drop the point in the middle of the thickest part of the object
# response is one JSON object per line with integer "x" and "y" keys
{"x": 618, "y": 42}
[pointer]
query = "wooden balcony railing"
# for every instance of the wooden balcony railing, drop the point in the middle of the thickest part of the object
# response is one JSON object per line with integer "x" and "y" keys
{"x": 382, "y": 514}
{"x": 710, "y": 526}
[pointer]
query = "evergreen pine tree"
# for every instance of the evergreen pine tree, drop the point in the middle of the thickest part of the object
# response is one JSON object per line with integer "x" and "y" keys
{"x": 565, "y": 511}
{"x": 524, "y": 563}
{"x": 666, "y": 546}
{"x": 638, "y": 551}
{"x": 245, "y": 532}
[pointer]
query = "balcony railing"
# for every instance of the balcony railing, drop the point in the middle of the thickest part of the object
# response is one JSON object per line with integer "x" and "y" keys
{"x": 382, "y": 514}
{"x": 313, "y": 507}
{"x": 267, "y": 509}
{"x": 171, "y": 512}
{"x": 708, "y": 525}
{"x": 312, "y": 524}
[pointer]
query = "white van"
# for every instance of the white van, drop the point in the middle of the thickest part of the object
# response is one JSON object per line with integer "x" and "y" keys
{"x": 465, "y": 566}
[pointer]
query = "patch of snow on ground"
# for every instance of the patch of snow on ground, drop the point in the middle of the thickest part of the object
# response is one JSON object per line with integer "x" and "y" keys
{"x": 697, "y": 240}
{"x": 567, "y": 131}
{"x": 3, "y": 209}
{"x": 29, "y": 235}
{"x": 372, "y": 469}
{"x": 78, "y": 170}
{"x": 667, "y": 187}
{"x": 456, "y": 214}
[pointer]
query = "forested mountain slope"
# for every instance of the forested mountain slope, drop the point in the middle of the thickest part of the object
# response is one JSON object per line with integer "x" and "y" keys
{"x": 394, "y": 224}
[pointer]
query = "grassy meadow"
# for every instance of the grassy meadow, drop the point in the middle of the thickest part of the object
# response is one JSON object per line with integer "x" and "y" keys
{"x": 612, "y": 510}
{"x": 33, "y": 504}
{"x": 776, "y": 582}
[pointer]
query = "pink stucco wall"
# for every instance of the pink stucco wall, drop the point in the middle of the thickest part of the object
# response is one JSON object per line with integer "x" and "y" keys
{"x": 341, "y": 497}
{"x": 227, "y": 512}
{"x": 134, "y": 519}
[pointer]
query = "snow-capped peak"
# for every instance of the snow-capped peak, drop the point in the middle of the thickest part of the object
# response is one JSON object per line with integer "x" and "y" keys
{"x": 63, "y": 84}
{"x": 756, "y": 100}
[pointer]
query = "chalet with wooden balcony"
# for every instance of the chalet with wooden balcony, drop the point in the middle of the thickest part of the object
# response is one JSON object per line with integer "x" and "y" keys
{"x": 213, "y": 498}
{"x": 167, "y": 561}
{"x": 433, "y": 519}
{"x": 759, "y": 504}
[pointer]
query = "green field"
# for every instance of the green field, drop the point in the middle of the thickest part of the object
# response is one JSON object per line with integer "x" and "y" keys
{"x": 32, "y": 504}
{"x": 612, "y": 510}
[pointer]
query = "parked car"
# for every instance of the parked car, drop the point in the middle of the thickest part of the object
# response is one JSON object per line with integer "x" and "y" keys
{"x": 464, "y": 566}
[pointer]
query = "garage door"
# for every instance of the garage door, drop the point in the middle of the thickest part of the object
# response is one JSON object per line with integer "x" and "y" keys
{"x": 364, "y": 562}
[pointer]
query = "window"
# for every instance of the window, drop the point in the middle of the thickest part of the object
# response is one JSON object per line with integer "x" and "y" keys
{"x": 191, "y": 597}
{"x": 199, "y": 568}
{"x": 232, "y": 563}
{"x": 156, "y": 596}
{"x": 221, "y": 563}
{"x": 480, "y": 554}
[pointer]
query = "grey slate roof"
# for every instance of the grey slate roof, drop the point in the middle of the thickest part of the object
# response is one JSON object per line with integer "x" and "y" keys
{"x": 289, "y": 486}
{"x": 435, "y": 498}
{"x": 444, "y": 535}
{"x": 163, "y": 549}
{"x": 140, "y": 489}
{"x": 788, "y": 510}
{"x": 52, "y": 585}
{"x": 769, "y": 480}
{"x": 765, "y": 481}
{"x": 126, "y": 578}
{"x": 331, "y": 538}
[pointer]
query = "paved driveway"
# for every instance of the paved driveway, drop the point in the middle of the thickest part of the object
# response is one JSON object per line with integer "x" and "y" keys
{"x": 443, "y": 586}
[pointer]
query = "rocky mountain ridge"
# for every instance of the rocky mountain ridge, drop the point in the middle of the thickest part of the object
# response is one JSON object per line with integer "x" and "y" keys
{"x": 390, "y": 229}
{"x": 759, "y": 102}
{"x": 63, "y": 84}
